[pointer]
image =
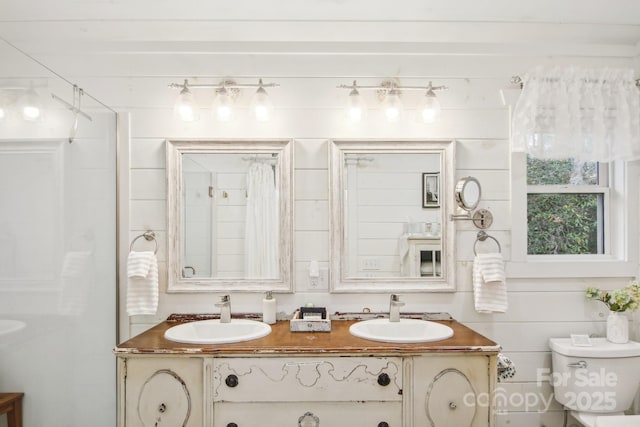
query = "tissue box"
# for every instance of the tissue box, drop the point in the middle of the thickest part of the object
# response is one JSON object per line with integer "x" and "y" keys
{"x": 312, "y": 324}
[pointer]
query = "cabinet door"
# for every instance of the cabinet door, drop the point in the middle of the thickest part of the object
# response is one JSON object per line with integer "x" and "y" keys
{"x": 163, "y": 392}
{"x": 451, "y": 391}
{"x": 308, "y": 414}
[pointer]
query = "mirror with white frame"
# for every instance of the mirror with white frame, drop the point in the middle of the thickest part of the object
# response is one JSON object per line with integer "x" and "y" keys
{"x": 389, "y": 205}
{"x": 229, "y": 215}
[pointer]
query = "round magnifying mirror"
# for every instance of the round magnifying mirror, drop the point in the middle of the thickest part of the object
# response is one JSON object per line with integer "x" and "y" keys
{"x": 468, "y": 193}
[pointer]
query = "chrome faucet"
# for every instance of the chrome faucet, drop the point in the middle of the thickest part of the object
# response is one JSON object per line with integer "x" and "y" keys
{"x": 394, "y": 308}
{"x": 225, "y": 309}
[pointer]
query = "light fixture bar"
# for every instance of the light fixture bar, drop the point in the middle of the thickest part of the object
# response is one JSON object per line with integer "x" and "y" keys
{"x": 221, "y": 85}
{"x": 391, "y": 86}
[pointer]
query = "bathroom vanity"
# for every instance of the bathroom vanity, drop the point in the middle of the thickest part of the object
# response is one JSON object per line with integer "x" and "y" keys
{"x": 307, "y": 379}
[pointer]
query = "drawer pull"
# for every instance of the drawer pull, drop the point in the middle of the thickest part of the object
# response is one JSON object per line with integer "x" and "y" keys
{"x": 383, "y": 424}
{"x": 232, "y": 380}
{"x": 384, "y": 380}
{"x": 232, "y": 425}
{"x": 452, "y": 405}
{"x": 308, "y": 420}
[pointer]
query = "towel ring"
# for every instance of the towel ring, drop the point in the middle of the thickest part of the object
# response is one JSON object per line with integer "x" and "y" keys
{"x": 148, "y": 236}
{"x": 482, "y": 236}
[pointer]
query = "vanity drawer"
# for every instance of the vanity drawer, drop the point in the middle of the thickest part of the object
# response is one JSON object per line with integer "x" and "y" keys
{"x": 334, "y": 414}
{"x": 324, "y": 379}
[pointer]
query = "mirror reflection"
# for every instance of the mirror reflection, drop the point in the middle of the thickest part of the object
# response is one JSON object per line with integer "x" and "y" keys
{"x": 231, "y": 204}
{"x": 230, "y": 215}
{"x": 388, "y": 206}
{"x": 391, "y": 208}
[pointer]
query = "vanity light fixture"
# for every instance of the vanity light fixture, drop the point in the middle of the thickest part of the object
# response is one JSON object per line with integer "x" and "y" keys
{"x": 261, "y": 105}
{"x": 389, "y": 92}
{"x": 185, "y": 107}
{"x": 429, "y": 106}
{"x": 355, "y": 108}
{"x": 223, "y": 104}
{"x": 392, "y": 105}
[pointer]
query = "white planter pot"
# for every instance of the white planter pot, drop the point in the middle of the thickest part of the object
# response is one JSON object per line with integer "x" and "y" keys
{"x": 617, "y": 328}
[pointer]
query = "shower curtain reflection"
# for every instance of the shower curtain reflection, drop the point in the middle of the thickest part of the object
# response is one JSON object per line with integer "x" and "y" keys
{"x": 262, "y": 228}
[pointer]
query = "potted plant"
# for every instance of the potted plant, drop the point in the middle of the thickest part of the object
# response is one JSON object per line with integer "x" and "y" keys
{"x": 618, "y": 301}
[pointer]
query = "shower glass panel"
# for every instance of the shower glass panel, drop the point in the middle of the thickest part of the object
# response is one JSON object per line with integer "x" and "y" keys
{"x": 57, "y": 251}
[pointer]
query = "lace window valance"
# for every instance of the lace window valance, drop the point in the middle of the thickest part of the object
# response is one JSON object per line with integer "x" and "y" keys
{"x": 585, "y": 114}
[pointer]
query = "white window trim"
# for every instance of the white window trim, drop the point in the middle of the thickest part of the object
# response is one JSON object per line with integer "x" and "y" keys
{"x": 621, "y": 257}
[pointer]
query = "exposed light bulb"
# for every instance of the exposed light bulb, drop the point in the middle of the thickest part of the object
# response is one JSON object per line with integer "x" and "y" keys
{"x": 392, "y": 106}
{"x": 223, "y": 105}
{"x": 261, "y": 105}
{"x": 31, "y": 106}
{"x": 355, "y": 108}
{"x": 429, "y": 107}
{"x": 185, "y": 107}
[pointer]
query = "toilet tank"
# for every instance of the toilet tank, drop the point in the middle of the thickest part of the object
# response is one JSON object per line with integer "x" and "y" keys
{"x": 601, "y": 378}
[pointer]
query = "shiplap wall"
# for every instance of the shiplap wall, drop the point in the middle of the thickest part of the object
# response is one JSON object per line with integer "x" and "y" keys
{"x": 308, "y": 111}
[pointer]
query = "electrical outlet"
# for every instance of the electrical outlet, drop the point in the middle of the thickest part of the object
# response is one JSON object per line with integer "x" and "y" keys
{"x": 320, "y": 283}
{"x": 371, "y": 264}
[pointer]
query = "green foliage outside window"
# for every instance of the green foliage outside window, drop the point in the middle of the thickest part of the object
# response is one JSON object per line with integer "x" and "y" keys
{"x": 562, "y": 223}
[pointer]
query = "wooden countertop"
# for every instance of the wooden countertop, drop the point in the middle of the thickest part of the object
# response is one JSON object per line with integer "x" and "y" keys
{"x": 282, "y": 341}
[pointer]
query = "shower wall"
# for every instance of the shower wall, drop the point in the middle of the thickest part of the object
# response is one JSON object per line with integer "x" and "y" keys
{"x": 57, "y": 252}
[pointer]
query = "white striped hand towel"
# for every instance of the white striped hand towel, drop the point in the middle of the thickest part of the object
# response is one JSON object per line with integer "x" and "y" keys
{"x": 139, "y": 263}
{"x": 142, "y": 291}
{"x": 489, "y": 285}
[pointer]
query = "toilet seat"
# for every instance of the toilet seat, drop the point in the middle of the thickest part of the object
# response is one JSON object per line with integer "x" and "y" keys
{"x": 618, "y": 421}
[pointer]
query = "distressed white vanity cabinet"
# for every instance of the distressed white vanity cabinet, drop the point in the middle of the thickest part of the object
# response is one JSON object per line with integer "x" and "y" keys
{"x": 308, "y": 380}
{"x": 162, "y": 391}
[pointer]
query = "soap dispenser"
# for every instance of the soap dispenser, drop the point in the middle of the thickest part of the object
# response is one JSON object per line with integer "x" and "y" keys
{"x": 269, "y": 309}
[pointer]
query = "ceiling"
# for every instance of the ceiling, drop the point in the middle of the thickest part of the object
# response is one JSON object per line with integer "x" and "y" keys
{"x": 117, "y": 38}
{"x": 44, "y": 28}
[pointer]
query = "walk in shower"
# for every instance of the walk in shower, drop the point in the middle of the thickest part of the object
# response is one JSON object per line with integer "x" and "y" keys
{"x": 57, "y": 247}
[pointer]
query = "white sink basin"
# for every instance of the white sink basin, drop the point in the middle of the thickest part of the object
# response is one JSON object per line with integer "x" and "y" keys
{"x": 404, "y": 331}
{"x": 214, "y": 332}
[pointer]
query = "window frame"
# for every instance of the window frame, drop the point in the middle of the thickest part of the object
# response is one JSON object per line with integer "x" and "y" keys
{"x": 620, "y": 227}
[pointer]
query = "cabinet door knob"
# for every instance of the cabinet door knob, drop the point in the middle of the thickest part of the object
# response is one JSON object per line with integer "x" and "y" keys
{"x": 231, "y": 380}
{"x": 383, "y": 424}
{"x": 308, "y": 420}
{"x": 384, "y": 380}
{"x": 162, "y": 408}
{"x": 232, "y": 425}
{"x": 452, "y": 405}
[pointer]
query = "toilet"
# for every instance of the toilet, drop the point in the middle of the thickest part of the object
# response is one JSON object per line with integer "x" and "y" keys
{"x": 596, "y": 383}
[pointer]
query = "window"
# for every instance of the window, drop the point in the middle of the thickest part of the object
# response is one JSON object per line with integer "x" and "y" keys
{"x": 572, "y": 219}
{"x": 567, "y": 202}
